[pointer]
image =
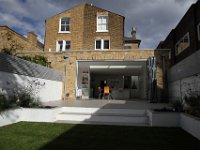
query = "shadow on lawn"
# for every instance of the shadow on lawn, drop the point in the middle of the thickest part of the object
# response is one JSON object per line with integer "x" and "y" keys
{"x": 123, "y": 138}
{"x": 101, "y": 137}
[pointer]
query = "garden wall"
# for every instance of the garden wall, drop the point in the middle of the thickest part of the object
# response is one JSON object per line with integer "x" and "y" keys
{"x": 28, "y": 114}
{"x": 18, "y": 74}
{"x": 184, "y": 77}
{"x": 47, "y": 90}
{"x": 187, "y": 122}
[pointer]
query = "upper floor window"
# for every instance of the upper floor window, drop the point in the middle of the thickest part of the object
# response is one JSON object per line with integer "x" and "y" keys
{"x": 64, "y": 26}
{"x": 62, "y": 46}
{"x": 102, "y": 44}
{"x": 198, "y": 31}
{"x": 102, "y": 23}
{"x": 182, "y": 44}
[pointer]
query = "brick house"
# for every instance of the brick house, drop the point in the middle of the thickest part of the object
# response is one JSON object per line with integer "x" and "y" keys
{"x": 87, "y": 27}
{"x": 11, "y": 39}
{"x": 98, "y": 55}
{"x": 184, "y": 42}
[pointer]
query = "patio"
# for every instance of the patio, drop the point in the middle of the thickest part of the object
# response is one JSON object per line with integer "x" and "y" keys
{"x": 108, "y": 104}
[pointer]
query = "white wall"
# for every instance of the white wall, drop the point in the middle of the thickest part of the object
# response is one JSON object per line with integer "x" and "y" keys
{"x": 49, "y": 91}
{"x": 183, "y": 76}
{"x": 187, "y": 122}
{"x": 28, "y": 114}
{"x": 164, "y": 119}
{"x": 190, "y": 124}
{"x": 181, "y": 88}
{"x": 174, "y": 91}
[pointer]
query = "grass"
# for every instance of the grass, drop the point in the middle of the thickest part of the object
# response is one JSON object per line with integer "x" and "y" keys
{"x": 51, "y": 136}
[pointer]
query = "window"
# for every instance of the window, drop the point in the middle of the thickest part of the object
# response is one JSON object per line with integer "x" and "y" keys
{"x": 102, "y": 23}
{"x": 62, "y": 46}
{"x": 106, "y": 44}
{"x": 67, "y": 45}
{"x": 64, "y": 26}
{"x": 182, "y": 44}
{"x": 102, "y": 44}
{"x": 59, "y": 46}
{"x": 98, "y": 44}
{"x": 198, "y": 31}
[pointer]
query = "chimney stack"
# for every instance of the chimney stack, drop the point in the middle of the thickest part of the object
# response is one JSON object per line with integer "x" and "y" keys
{"x": 133, "y": 32}
{"x": 32, "y": 37}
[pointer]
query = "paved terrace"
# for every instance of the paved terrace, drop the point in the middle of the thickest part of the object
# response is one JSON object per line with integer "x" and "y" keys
{"x": 108, "y": 104}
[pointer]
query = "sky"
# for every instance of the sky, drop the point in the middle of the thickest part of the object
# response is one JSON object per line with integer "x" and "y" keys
{"x": 153, "y": 19}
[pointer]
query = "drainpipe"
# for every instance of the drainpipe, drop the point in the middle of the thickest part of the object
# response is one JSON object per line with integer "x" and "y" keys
{"x": 65, "y": 80}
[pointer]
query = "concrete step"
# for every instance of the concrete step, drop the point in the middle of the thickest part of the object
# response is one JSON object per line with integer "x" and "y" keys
{"x": 103, "y": 116}
{"x": 104, "y": 111}
{"x": 101, "y": 123}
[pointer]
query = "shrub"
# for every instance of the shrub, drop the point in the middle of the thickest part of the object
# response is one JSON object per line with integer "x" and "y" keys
{"x": 6, "y": 103}
{"x": 38, "y": 59}
{"x": 25, "y": 99}
{"x": 178, "y": 105}
{"x": 193, "y": 101}
{"x": 21, "y": 95}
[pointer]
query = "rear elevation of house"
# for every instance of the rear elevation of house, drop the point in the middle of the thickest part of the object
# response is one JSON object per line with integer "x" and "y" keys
{"x": 184, "y": 42}
{"x": 100, "y": 55}
{"x": 86, "y": 27}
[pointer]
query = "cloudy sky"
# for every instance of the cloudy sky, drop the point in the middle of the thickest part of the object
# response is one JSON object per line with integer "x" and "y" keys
{"x": 153, "y": 19}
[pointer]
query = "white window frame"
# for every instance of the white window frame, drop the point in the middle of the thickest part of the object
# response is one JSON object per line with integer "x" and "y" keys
{"x": 98, "y": 23}
{"x": 60, "y": 26}
{"x": 187, "y": 34}
{"x": 64, "y": 45}
{"x": 198, "y": 31}
{"x": 102, "y": 44}
{"x": 58, "y": 46}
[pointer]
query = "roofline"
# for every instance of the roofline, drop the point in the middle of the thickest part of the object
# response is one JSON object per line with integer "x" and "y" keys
{"x": 13, "y": 31}
{"x": 193, "y": 5}
{"x": 71, "y": 51}
{"x": 79, "y": 5}
{"x": 136, "y": 41}
{"x": 22, "y": 35}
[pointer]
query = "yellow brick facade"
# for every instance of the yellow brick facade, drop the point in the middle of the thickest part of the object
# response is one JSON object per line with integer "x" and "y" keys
{"x": 83, "y": 29}
{"x": 83, "y": 33}
{"x": 59, "y": 63}
{"x": 11, "y": 39}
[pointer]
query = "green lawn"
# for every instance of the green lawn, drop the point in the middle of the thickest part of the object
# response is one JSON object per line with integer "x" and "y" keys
{"x": 27, "y": 136}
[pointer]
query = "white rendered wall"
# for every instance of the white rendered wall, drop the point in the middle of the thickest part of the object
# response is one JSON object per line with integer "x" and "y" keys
{"x": 49, "y": 91}
{"x": 181, "y": 88}
{"x": 184, "y": 76}
{"x": 28, "y": 114}
{"x": 190, "y": 124}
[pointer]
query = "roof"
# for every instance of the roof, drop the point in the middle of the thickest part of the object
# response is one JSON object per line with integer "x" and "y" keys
{"x": 12, "y": 64}
{"x": 85, "y": 4}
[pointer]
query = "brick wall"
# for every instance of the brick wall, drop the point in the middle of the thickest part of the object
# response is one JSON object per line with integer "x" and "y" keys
{"x": 187, "y": 24}
{"x": 58, "y": 63}
{"x": 10, "y": 38}
{"x": 83, "y": 28}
